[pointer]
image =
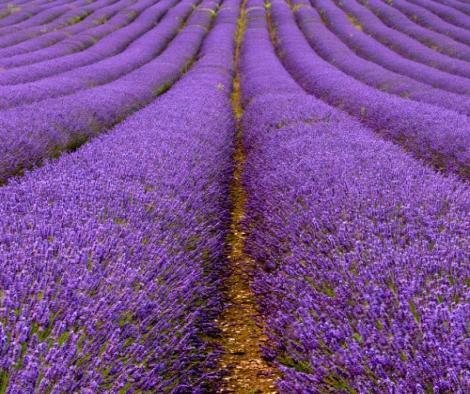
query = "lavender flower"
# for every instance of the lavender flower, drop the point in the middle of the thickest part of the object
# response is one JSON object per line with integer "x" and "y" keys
{"x": 363, "y": 251}
{"x": 112, "y": 265}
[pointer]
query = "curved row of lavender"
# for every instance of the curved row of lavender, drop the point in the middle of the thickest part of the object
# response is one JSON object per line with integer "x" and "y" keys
{"x": 77, "y": 37}
{"x": 46, "y": 128}
{"x": 370, "y": 49}
{"x": 18, "y": 13}
{"x": 108, "y": 46}
{"x": 76, "y": 12}
{"x": 400, "y": 43}
{"x": 396, "y": 20}
{"x": 436, "y": 135}
{"x": 457, "y": 4}
{"x": 445, "y": 12}
{"x": 43, "y": 14}
{"x": 111, "y": 256}
{"x": 431, "y": 21}
{"x": 337, "y": 53}
{"x": 141, "y": 51}
{"x": 96, "y": 25}
{"x": 60, "y": 19}
{"x": 363, "y": 251}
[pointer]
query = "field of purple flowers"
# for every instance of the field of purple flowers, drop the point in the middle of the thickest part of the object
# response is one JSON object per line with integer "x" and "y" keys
{"x": 235, "y": 196}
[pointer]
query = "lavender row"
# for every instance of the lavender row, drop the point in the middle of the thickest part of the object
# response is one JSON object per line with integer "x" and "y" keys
{"x": 35, "y": 16}
{"x": 362, "y": 251}
{"x": 431, "y": 21}
{"x": 77, "y": 21}
{"x": 396, "y": 20}
{"x": 458, "y": 5}
{"x": 44, "y": 129}
{"x": 401, "y": 43}
{"x": 371, "y": 50}
{"x": 434, "y": 134}
{"x": 332, "y": 49}
{"x": 86, "y": 35}
{"x": 16, "y": 12}
{"x": 447, "y": 13}
{"x": 110, "y": 45}
{"x": 138, "y": 53}
{"x": 57, "y": 17}
{"x": 115, "y": 284}
{"x": 78, "y": 36}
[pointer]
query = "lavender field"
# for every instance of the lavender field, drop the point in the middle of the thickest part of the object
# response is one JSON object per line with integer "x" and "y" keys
{"x": 235, "y": 196}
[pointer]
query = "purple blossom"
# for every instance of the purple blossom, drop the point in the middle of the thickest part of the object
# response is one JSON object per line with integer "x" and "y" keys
{"x": 355, "y": 166}
{"x": 363, "y": 250}
{"x": 112, "y": 265}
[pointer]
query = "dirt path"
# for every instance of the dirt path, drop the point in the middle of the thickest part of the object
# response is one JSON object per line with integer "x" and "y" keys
{"x": 242, "y": 333}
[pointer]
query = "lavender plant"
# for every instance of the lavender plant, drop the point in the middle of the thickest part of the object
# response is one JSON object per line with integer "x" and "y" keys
{"x": 143, "y": 50}
{"x": 337, "y": 53}
{"x": 438, "y": 136}
{"x": 107, "y": 46}
{"x": 371, "y": 50}
{"x": 436, "y": 41}
{"x": 449, "y": 14}
{"x": 363, "y": 251}
{"x": 401, "y": 43}
{"x": 431, "y": 21}
{"x": 77, "y": 37}
{"x": 354, "y": 199}
{"x": 37, "y": 131}
{"x": 57, "y": 17}
{"x": 18, "y": 13}
{"x": 110, "y": 283}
